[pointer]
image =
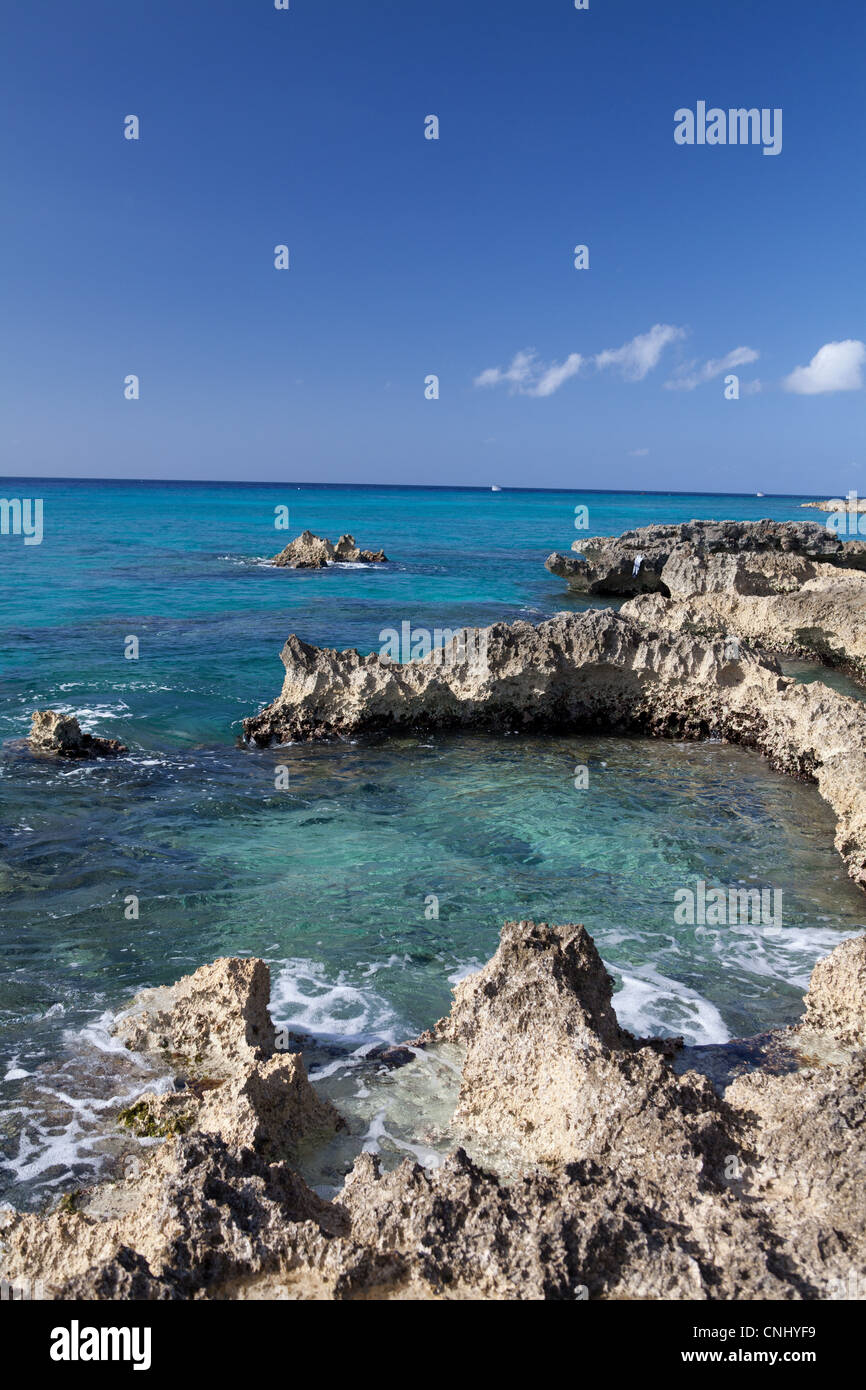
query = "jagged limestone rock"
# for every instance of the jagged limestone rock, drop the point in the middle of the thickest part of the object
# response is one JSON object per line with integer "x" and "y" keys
{"x": 60, "y": 735}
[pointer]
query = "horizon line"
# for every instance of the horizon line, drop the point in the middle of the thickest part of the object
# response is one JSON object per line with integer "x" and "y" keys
{"x": 414, "y": 487}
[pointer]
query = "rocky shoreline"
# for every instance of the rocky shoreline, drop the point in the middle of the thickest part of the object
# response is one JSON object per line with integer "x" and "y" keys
{"x": 736, "y": 553}
{"x": 597, "y": 672}
{"x": 638, "y": 1181}
{"x": 637, "y": 1169}
{"x": 786, "y": 588}
{"x": 838, "y": 504}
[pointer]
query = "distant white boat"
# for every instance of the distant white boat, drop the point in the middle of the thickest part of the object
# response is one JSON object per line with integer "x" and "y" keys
{"x": 494, "y": 488}
{"x": 759, "y": 494}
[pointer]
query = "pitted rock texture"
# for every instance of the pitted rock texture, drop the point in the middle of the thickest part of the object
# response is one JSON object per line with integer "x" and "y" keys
{"x": 823, "y": 619}
{"x": 548, "y": 1065}
{"x": 653, "y": 1186}
{"x": 308, "y": 551}
{"x": 788, "y": 587}
{"x": 577, "y": 670}
{"x": 214, "y": 1028}
{"x": 836, "y": 1002}
{"x": 61, "y": 735}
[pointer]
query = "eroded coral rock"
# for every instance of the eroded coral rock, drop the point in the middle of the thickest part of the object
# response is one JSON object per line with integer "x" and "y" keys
{"x": 594, "y": 671}
{"x": 836, "y": 1001}
{"x": 61, "y": 735}
{"x": 308, "y": 551}
{"x": 200, "y": 1215}
{"x": 789, "y": 588}
{"x": 650, "y": 558}
{"x": 548, "y": 1064}
{"x": 591, "y": 670}
{"x": 346, "y": 549}
{"x": 215, "y": 1027}
{"x": 652, "y": 1185}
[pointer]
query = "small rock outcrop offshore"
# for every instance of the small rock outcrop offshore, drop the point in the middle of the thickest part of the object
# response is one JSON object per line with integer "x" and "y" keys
{"x": 637, "y": 1179}
{"x": 61, "y": 735}
{"x": 310, "y": 552}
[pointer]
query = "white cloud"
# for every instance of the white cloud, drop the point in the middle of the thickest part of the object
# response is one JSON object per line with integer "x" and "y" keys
{"x": 528, "y": 376}
{"x": 517, "y": 375}
{"x": 637, "y": 453}
{"x": 835, "y": 367}
{"x": 557, "y": 373}
{"x": 641, "y": 355}
{"x": 687, "y": 378}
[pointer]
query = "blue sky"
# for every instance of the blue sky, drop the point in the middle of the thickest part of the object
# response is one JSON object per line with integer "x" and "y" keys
{"x": 412, "y": 257}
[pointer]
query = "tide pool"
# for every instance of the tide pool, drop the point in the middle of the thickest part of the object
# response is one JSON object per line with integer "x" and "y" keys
{"x": 384, "y": 870}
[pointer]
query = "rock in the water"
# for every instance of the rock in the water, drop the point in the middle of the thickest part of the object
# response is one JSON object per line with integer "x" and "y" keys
{"x": 843, "y": 505}
{"x": 346, "y": 549}
{"x": 308, "y": 551}
{"x": 577, "y": 670}
{"x": 61, "y": 735}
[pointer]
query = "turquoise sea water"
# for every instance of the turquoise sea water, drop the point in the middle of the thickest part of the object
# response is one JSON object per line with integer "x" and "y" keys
{"x": 334, "y": 879}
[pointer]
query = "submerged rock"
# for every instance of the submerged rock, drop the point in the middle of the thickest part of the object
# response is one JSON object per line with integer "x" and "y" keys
{"x": 61, "y": 735}
{"x": 308, "y": 551}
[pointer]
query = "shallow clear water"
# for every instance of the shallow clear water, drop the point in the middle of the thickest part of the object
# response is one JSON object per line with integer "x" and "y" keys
{"x": 333, "y": 879}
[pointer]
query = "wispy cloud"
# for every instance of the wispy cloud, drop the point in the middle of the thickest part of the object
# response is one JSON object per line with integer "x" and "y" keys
{"x": 835, "y": 367}
{"x": 638, "y": 357}
{"x": 528, "y": 375}
{"x": 638, "y": 453}
{"x": 688, "y": 377}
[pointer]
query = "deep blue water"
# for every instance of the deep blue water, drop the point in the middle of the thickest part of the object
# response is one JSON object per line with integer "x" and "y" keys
{"x": 330, "y": 879}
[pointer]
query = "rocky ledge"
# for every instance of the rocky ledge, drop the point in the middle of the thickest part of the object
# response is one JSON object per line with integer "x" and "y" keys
{"x": 637, "y": 1180}
{"x": 310, "y": 552}
{"x": 60, "y": 735}
{"x": 788, "y": 589}
{"x": 839, "y": 504}
{"x": 596, "y": 671}
{"x": 820, "y": 614}
{"x": 646, "y": 560}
